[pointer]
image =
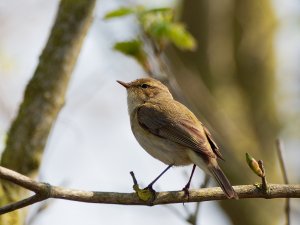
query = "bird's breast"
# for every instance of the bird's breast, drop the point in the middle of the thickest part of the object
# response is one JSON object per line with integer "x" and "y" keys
{"x": 162, "y": 149}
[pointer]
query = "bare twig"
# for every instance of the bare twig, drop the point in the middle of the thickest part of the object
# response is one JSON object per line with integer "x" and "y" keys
{"x": 264, "y": 183}
{"x": 21, "y": 204}
{"x": 41, "y": 208}
{"x": 133, "y": 178}
{"x": 190, "y": 217}
{"x": 176, "y": 212}
{"x": 44, "y": 191}
{"x": 193, "y": 217}
{"x": 280, "y": 148}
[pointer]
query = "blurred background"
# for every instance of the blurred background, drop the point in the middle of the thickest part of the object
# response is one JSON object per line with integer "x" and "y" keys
{"x": 242, "y": 81}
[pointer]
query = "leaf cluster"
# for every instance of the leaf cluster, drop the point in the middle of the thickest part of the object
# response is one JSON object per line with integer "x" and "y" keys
{"x": 158, "y": 25}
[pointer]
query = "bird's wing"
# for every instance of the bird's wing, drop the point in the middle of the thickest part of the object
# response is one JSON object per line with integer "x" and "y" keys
{"x": 212, "y": 143}
{"x": 182, "y": 131}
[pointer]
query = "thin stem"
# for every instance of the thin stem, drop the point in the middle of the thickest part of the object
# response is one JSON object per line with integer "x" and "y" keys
{"x": 175, "y": 211}
{"x": 263, "y": 179}
{"x": 196, "y": 212}
{"x": 133, "y": 178}
{"x": 280, "y": 148}
{"x": 21, "y": 204}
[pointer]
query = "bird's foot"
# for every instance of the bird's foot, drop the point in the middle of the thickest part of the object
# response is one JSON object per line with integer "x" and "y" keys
{"x": 150, "y": 188}
{"x": 147, "y": 194}
{"x": 186, "y": 191}
{"x": 150, "y": 194}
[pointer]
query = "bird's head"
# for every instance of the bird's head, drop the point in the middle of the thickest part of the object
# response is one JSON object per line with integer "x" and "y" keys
{"x": 142, "y": 90}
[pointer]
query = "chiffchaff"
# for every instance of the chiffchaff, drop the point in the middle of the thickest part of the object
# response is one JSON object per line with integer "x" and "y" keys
{"x": 170, "y": 132}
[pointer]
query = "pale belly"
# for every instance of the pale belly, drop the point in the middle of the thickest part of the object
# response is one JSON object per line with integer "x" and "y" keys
{"x": 166, "y": 151}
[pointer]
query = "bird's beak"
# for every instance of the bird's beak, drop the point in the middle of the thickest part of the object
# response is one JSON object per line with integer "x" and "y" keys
{"x": 126, "y": 85}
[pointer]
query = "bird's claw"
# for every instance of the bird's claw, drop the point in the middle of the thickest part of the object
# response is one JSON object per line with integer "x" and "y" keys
{"x": 150, "y": 193}
{"x": 186, "y": 192}
{"x": 147, "y": 194}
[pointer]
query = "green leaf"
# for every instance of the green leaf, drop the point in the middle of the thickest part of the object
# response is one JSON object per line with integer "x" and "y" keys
{"x": 133, "y": 48}
{"x": 123, "y": 11}
{"x": 180, "y": 37}
{"x": 158, "y": 10}
{"x": 151, "y": 22}
{"x": 160, "y": 27}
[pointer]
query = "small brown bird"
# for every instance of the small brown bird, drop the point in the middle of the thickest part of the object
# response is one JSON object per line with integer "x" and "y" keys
{"x": 171, "y": 133}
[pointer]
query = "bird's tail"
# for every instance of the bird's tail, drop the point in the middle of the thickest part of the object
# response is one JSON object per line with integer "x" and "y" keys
{"x": 213, "y": 169}
{"x": 222, "y": 180}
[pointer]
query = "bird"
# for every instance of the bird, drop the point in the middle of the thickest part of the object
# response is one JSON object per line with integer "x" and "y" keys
{"x": 171, "y": 133}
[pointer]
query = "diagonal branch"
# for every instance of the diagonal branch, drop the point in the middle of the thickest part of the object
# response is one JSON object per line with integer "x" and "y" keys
{"x": 44, "y": 191}
{"x": 21, "y": 204}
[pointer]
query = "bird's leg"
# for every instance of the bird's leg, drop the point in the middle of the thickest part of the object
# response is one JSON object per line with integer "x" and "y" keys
{"x": 151, "y": 184}
{"x": 187, "y": 186}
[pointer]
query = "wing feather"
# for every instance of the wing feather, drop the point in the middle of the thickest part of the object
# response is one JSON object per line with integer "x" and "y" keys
{"x": 184, "y": 131}
{"x": 212, "y": 143}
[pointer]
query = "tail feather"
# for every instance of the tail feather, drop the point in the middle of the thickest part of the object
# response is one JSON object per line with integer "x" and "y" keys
{"x": 213, "y": 169}
{"x": 223, "y": 181}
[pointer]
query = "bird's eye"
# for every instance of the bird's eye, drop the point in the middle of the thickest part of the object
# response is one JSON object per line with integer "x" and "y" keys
{"x": 144, "y": 86}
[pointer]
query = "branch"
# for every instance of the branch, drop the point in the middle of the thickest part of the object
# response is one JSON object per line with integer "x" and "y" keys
{"x": 280, "y": 148}
{"x": 44, "y": 191}
{"x": 264, "y": 183}
{"x": 194, "y": 217}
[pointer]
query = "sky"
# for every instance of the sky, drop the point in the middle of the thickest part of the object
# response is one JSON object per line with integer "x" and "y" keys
{"x": 91, "y": 146}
